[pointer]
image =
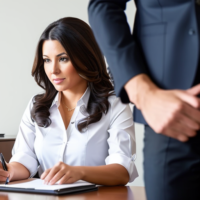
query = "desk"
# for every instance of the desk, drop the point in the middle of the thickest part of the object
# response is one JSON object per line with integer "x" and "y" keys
{"x": 104, "y": 193}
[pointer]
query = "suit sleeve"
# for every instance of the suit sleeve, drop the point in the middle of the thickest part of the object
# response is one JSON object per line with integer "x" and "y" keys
{"x": 112, "y": 32}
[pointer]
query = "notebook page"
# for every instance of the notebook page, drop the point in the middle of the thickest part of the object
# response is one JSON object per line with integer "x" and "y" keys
{"x": 38, "y": 184}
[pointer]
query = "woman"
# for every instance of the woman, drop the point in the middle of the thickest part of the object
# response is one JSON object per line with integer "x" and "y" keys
{"x": 77, "y": 129}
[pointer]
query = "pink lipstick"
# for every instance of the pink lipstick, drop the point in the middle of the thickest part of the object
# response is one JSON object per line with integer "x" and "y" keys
{"x": 58, "y": 80}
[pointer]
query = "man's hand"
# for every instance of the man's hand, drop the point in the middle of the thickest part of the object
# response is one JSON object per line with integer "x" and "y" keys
{"x": 174, "y": 113}
{"x": 62, "y": 173}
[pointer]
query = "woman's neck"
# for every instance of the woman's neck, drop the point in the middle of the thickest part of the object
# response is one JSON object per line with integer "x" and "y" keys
{"x": 71, "y": 97}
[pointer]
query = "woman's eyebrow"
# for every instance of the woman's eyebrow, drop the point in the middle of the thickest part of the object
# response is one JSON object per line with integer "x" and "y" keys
{"x": 61, "y": 54}
{"x": 58, "y": 54}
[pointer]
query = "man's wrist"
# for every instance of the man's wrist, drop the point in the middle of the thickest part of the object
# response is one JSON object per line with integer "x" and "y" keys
{"x": 138, "y": 88}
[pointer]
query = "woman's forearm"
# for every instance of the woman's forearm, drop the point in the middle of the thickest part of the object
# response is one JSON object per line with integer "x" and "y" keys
{"x": 113, "y": 174}
{"x": 17, "y": 171}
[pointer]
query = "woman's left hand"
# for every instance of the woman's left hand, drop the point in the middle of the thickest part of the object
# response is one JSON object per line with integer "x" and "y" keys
{"x": 62, "y": 173}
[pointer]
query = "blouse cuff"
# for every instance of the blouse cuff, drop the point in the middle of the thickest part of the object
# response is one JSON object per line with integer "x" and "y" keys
{"x": 28, "y": 161}
{"x": 126, "y": 162}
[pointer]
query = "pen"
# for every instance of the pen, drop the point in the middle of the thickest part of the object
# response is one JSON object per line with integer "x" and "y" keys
{"x": 4, "y": 167}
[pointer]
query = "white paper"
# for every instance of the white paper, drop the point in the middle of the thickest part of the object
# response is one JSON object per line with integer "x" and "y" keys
{"x": 38, "y": 184}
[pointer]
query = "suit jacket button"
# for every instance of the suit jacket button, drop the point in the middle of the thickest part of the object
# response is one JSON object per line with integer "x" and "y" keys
{"x": 191, "y": 32}
{"x": 198, "y": 2}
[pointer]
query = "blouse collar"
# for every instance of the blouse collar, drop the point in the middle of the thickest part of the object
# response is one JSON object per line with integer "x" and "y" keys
{"x": 83, "y": 100}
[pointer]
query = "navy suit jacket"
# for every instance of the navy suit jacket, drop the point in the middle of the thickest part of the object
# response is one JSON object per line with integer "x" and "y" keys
{"x": 164, "y": 43}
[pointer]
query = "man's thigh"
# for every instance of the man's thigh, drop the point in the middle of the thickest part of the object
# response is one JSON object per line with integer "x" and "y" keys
{"x": 171, "y": 168}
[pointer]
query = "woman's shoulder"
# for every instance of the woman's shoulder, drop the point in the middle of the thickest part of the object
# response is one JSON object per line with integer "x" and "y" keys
{"x": 31, "y": 101}
{"x": 113, "y": 99}
{"x": 35, "y": 98}
{"x": 119, "y": 112}
{"x": 116, "y": 104}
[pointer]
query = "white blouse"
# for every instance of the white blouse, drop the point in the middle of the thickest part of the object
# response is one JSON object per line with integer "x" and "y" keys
{"x": 110, "y": 140}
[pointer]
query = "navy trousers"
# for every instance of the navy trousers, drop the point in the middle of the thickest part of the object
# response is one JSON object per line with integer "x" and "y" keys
{"x": 171, "y": 168}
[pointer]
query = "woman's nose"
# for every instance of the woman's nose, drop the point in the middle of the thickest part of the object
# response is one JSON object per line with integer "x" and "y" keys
{"x": 55, "y": 68}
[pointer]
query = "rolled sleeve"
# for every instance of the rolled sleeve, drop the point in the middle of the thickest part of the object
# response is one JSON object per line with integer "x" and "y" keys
{"x": 126, "y": 162}
{"x": 23, "y": 150}
{"x": 121, "y": 139}
{"x": 28, "y": 161}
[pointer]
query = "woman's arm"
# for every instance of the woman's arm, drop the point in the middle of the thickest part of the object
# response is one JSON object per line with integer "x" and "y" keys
{"x": 24, "y": 163}
{"x": 16, "y": 171}
{"x": 113, "y": 174}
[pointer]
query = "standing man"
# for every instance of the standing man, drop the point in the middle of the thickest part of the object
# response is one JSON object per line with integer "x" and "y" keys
{"x": 157, "y": 68}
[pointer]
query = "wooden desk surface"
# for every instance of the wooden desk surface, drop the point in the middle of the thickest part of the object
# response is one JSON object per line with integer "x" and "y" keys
{"x": 103, "y": 193}
{"x": 8, "y": 138}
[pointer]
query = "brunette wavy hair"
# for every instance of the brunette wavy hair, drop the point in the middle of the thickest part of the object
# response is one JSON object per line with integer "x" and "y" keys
{"x": 78, "y": 40}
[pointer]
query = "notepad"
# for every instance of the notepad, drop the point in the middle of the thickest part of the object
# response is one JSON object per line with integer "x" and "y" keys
{"x": 38, "y": 186}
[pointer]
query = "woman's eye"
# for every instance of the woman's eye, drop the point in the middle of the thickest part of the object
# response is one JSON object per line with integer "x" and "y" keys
{"x": 64, "y": 59}
{"x": 46, "y": 60}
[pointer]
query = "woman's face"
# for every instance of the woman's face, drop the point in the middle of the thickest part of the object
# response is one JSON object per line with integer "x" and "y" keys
{"x": 59, "y": 68}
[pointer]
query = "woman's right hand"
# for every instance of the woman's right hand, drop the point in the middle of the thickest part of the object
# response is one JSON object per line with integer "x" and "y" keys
{"x": 3, "y": 174}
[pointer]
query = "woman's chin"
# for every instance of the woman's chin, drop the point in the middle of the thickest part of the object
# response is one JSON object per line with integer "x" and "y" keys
{"x": 60, "y": 88}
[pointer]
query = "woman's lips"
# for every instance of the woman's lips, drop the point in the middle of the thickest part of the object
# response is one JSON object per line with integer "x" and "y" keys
{"x": 58, "y": 80}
